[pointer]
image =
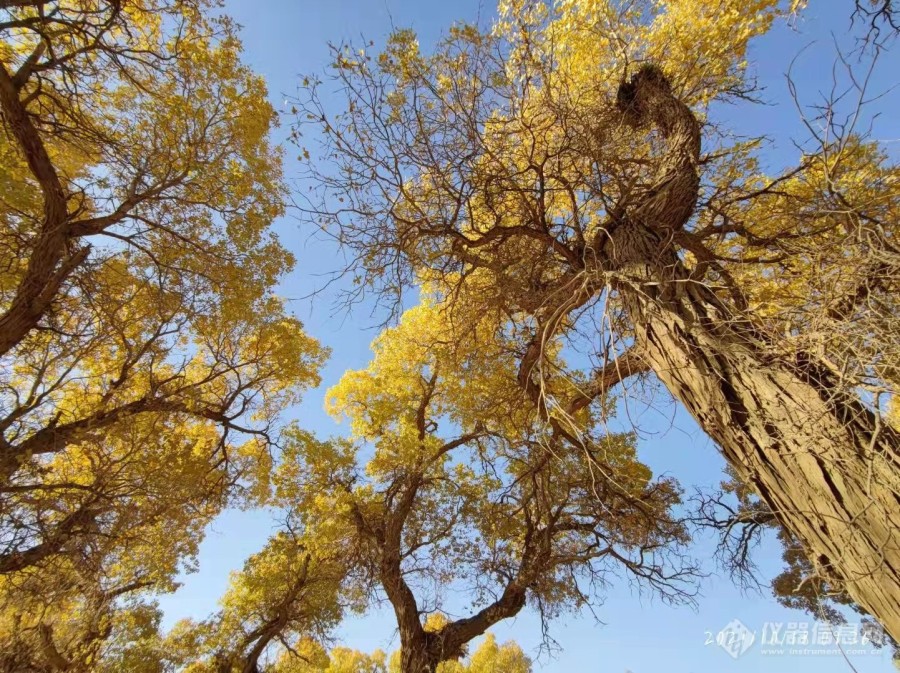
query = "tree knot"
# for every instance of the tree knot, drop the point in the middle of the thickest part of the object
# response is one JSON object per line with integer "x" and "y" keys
{"x": 632, "y": 95}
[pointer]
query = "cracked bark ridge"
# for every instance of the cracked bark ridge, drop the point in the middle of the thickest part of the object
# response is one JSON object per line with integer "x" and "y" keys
{"x": 815, "y": 454}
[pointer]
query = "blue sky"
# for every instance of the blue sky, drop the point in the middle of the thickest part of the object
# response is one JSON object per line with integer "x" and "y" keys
{"x": 285, "y": 39}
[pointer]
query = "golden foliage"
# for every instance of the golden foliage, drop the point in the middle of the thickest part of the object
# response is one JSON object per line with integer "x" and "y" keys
{"x": 145, "y": 356}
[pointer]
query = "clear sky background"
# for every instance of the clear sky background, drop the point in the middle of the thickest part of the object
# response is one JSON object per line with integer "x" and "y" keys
{"x": 286, "y": 39}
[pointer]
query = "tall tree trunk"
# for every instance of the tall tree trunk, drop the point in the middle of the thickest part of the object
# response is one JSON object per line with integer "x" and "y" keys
{"x": 819, "y": 459}
{"x": 814, "y": 453}
{"x": 416, "y": 658}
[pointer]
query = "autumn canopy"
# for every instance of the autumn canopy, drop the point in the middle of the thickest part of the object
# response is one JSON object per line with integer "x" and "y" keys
{"x": 577, "y": 233}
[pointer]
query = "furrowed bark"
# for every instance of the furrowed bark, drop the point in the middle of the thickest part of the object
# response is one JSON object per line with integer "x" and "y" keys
{"x": 818, "y": 459}
{"x": 814, "y": 453}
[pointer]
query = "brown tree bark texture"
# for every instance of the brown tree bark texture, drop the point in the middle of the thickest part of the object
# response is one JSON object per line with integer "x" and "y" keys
{"x": 816, "y": 455}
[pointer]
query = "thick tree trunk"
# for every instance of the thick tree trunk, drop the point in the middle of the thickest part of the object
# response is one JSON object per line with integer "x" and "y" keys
{"x": 415, "y": 658}
{"x": 815, "y": 455}
{"x": 812, "y": 451}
